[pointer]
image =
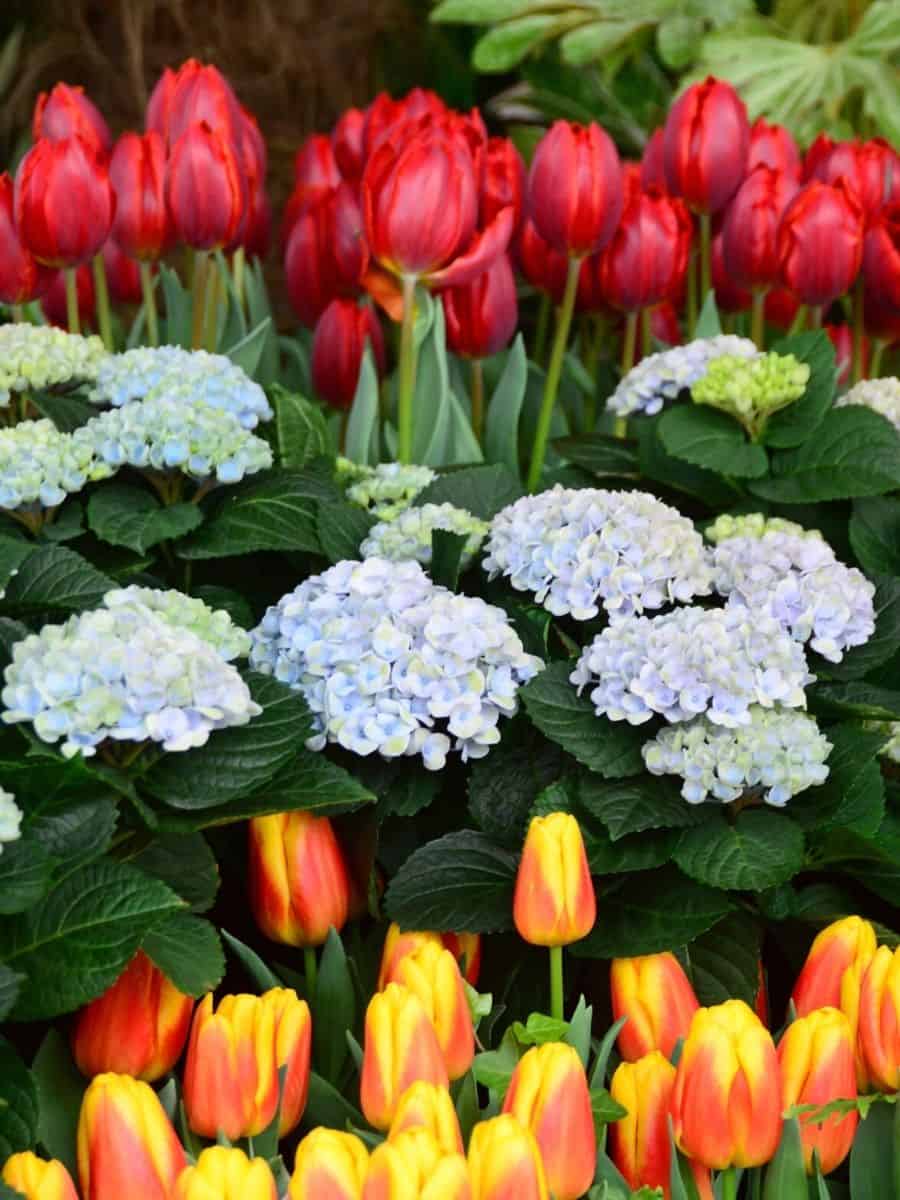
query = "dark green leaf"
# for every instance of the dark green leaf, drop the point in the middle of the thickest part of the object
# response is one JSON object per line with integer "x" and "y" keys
{"x": 312, "y": 782}
{"x": 874, "y": 1154}
{"x": 875, "y": 534}
{"x": 884, "y": 642}
{"x": 54, "y": 582}
{"x": 67, "y": 413}
{"x": 132, "y": 517}
{"x": 859, "y": 700}
{"x": 326, "y": 1106}
{"x": 504, "y": 785}
{"x": 446, "y": 556}
{"x": 334, "y": 1008}
{"x": 409, "y": 794}
{"x": 786, "y": 1174}
{"x": 186, "y": 864}
{"x": 67, "y": 525}
{"x": 501, "y": 429}
{"x": 261, "y": 974}
{"x": 481, "y": 490}
{"x": 794, "y": 424}
{"x": 61, "y": 1088}
{"x": 10, "y": 984}
{"x": 26, "y": 870}
{"x": 74, "y": 833}
{"x": 600, "y": 454}
{"x": 759, "y": 850}
{"x": 725, "y": 961}
{"x": 13, "y": 552}
{"x": 633, "y": 805}
{"x": 188, "y": 951}
{"x": 636, "y": 852}
{"x": 301, "y": 426}
{"x": 708, "y": 438}
{"x": 852, "y": 796}
{"x": 232, "y": 602}
{"x": 18, "y": 1103}
{"x": 273, "y": 512}
{"x": 673, "y": 473}
{"x": 340, "y": 528}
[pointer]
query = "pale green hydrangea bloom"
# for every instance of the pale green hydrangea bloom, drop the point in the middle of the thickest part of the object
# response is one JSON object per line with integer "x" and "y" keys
{"x": 408, "y": 535}
{"x": 40, "y": 466}
{"x": 385, "y": 490}
{"x": 214, "y": 626}
{"x": 754, "y": 525}
{"x": 751, "y": 390}
{"x": 10, "y": 818}
{"x": 881, "y": 395}
{"x": 36, "y": 357}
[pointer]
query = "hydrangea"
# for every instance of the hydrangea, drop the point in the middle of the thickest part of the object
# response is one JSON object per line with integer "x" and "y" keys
{"x": 779, "y": 753}
{"x": 214, "y": 626}
{"x": 387, "y": 489}
{"x": 164, "y": 434}
{"x": 578, "y": 548}
{"x": 390, "y": 662}
{"x": 40, "y": 466}
{"x": 408, "y": 535}
{"x": 660, "y": 377}
{"x": 691, "y": 662}
{"x": 122, "y": 673}
{"x": 754, "y": 525}
{"x": 891, "y": 729}
{"x": 187, "y": 375}
{"x": 41, "y": 356}
{"x": 751, "y": 390}
{"x": 798, "y": 580}
{"x": 10, "y": 818}
{"x": 881, "y": 395}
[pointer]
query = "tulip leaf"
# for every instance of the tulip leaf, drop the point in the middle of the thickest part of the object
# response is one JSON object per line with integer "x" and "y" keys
{"x": 759, "y": 850}
{"x": 188, "y": 951}
{"x": 707, "y": 438}
{"x": 482, "y": 490}
{"x": 361, "y": 442}
{"x": 786, "y": 1173}
{"x": 61, "y": 1088}
{"x": 247, "y": 352}
{"x": 272, "y": 511}
{"x": 333, "y": 1008}
{"x": 326, "y": 1106}
{"x": 873, "y": 1159}
{"x": 179, "y": 309}
{"x": 432, "y": 411}
{"x": 134, "y": 518}
{"x": 54, "y": 582}
{"x": 601, "y": 1061}
{"x": 501, "y": 427}
{"x": 708, "y": 323}
{"x": 301, "y": 428}
{"x": 258, "y": 310}
{"x": 463, "y": 445}
{"x": 579, "y": 1032}
{"x": 18, "y": 1103}
{"x": 793, "y": 425}
{"x": 261, "y": 974}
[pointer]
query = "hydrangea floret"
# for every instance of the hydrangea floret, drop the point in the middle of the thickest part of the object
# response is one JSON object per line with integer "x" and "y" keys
{"x": 40, "y": 466}
{"x": 391, "y": 663}
{"x": 10, "y": 818}
{"x": 754, "y": 525}
{"x": 778, "y": 754}
{"x": 384, "y": 490}
{"x": 34, "y": 357}
{"x": 659, "y": 378}
{"x": 881, "y": 395}
{"x": 891, "y": 730}
{"x": 408, "y": 536}
{"x": 690, "y": 662}
{"x": 186, "y": 375}
{"x": 578, "y": 549}
{"x": 751, "y": 390}
{"x": 122, "y": 673}
{"x": 212, "y": 625}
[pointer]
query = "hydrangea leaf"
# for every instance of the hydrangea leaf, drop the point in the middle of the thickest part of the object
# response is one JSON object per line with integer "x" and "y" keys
{"x": 724, "y": 961}
{"x": 711, "y": 439}
{"x": 61, "y": 1088}
{"x": 188, "y": 952}
{"x": 187, "y": 864}
{"x": 271, "y": 513}
{"x": 55, "y": 582}
{"x": 341, "y": 527}
{"x": 875, "y": 534}
{"x": 759, "y": 850}
{"x": 131, "y": 517}
{"x": 10, "y": 984}
{"x": 480, "y": 490}
{"x": 18, "y": 1103}
{"x": 627, "y": 806}
{"x": 794, "y": 424}
{"x": 302, "y": 430}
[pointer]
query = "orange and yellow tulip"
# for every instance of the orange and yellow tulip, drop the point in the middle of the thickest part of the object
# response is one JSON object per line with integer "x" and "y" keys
{"x": 465, "y": 948}
{"x": 38, "y": 1179}
{"x": 656, "y": 996}
{"x": 431, "y": 973}
{"x": 427, "y": 1106}
{"x": 879, "y": 1020}
{"x": 330, "y": 1165}
{"x": 414, "y": 1166}
{"x": 226, "y": 1174}
{"x": 554, "y": 901}
{"x": 505, "y": 1162}
{"x": 400, "y": 1048}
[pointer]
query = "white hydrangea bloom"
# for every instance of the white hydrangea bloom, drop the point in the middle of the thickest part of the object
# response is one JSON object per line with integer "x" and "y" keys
{"x": 408, "y": 535}
{"x": 881, "y": 395}
{"x": 214, "y": 626}
{"x": 34, "y": 357}
{"x": 10, "y": 818}
{"x": 391, "y": 663}
{"x": 385, "y": 490}
{"x": 40, "y": 466}
{"x": 780, "y": 753}
{"x": 186, "y": 375}
{"x": 691, "y": 662}
{"x": 579, "y": 548}
{"x": 122, "y": 673}
{"x": 164, "y": 434}
{"x": 660, "y": 377}
{"x": 891, "y": 729}
{"x": 798, "y": 581}
{"x": 754, "y": 525}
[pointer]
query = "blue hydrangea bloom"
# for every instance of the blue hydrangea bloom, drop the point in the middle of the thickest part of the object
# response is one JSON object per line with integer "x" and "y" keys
{"x": 659, "y": 378}
{"x": 212, "y": 625}
{"x": 34, "y": 357}
{"x": 40, "y": 466}
{"x": 408, "y": 535}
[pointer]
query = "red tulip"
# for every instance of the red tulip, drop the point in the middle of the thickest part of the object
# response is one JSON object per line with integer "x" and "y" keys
{"x": 255, "y": 232}
{"x": 338, "y": 346}
{"x": 315, "y": 166}
{"x": 729, "y": 296}
{"x": 347, "y": 143}
{"x": 664, "y": 324}
{"x": 22, "y": 277}
{"x": 64, "y": 203}
{"x": 67, "y": 111}
{"x": 782, "y": 307}
{"x": 705, "y": 145}
{"x": 870, "y": 169}
{"x": 647, "y": 259}
{"x": 137, "y": 173}
{"x": 201, "y": 93}
{"x": 575, "y": 188}
{"x": 882, "y": 323}
{"x": 820, "y": 242}
{"x": 258, "y": 226}
{"x": 653, "y": 167}
{"x": 205, "y": 188}
{"x": 816, "y": 154}
{"x": 881, "y": 258}
{"x": 384, "y": 114}
{"x": 772, "y": 146}
{"x": 502, "y": 181}
{"x": 156, "y": 116}
{"x": 842, "y": 339}
{"x": 326, "y": 254}
{"x": 122, "y": 274}
{"x": 543, "y": 267}
{"x": 749, "y": 232}
{"x": 53, "y": 301}
{"x": 590, "y": 296}
{"x": 482, "y": 315}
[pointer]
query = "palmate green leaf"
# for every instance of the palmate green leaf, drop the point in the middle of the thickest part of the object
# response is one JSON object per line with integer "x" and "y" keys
{"x": 707, "y": 438}
{"x": 875, "y": 534}
{"x": 132, "y": 517}
{"x": 273, "y": 512}
{"x": 18, "y": 1103}
{"x": 188, "y": 952}
{"x": 54, "y": 582}
{"x": 481, "y": 490}
{"x": 724, "y": 961}
{"x": 759, "y": 850}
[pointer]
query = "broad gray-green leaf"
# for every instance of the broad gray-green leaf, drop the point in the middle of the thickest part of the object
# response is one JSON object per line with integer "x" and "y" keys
{"x": 18, "y": 1103}
{"x": 759, "y": 850}
{"x": 361, "y": 442}
{"x": 481, "y": 490}
{"x": 272, "y": 513}
{"x": 875, "y": 534}
{"x": 248, "y": 351}
{"x": 708, "y": 322}
{"x": 132, "y": 517}
{"x": 188, "y": 951}
{"x": 301, "y": 427}
{"x": 501, "y": 426}
{"x": 504, "y": 47}
{"x": 55, "y": 582}
{"x": 708, "y": 438}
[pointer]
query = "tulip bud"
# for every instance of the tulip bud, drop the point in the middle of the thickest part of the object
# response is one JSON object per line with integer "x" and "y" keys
{"x": 705, "y": 145}
{"x": 841, "y": 337}
{"x": 126, "y": 1144}
{"x": 326, "y": 255}
{"x": 200, "y": 94}
{"x": 772, "y": 146}
{"x": 502, "y": 181}
{"x": 38, "y": 1179}
{"x": 233, "y": 1062}
{"x": 726, "y": 1106}
{"x": 66, "y": 112}
{"x": 664, "y": 324}
{"x": 575, "y": 188}
{"x": 653, "y": 166}
{"x": 156, "y": 117}
{"x": 400, "y": 1048}
{"x": 549, "y": 1095}
{"x": 206, "y": 191}
{"x": 22, "y": 277}
{"x": 316, "y": 169}
{"x": 543, "y": 267}
{"x": 782, "y": 307}
{"x": 828, "y": 971}
{"x": 137, "y": 1027}
{"x": 122, "y": 274}
{"x": 428, "y": 1106}
{"x": 53, "y": 300}
{"x": 397, "y": 945}
{"x": 482, "y": 315}
{"x": 222, "y": 1173}
{"x": 750, "y": 229}
{"x": 339, "y": 343}
{"x": 137, "y": 173}
{"x": 820, "y": 242}
{"x": 466, "y": 949}
{"x": 330, "y": 1165}
{"x": 817, "y": 153}
{"x": 879, "y": 1020}
{"x": 554, "y": 902}
{"x": 298, "y": 882}
{"x": 431, "y": 973}
{"x": 871, "y": 170}
{"x": 656, "y": 996}
{"x": 64, "y": 204}
{"x": 881, "y": 258}
{"x": 504, "y": 1161}
{"x": 347, "y": 143}
{"x": 816, "y": 1060}
{"x": 413, "y": 1166}
{"x": 729, "y": 296}
{"x": 646, "y": 261}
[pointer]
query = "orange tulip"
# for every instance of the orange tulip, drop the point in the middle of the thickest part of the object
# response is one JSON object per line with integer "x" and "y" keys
{"x": 817, "y": 1066}
{"x": 400, "y": 1048}
{"x": 222, "y": 1173}
{"x": 505, "y": 1162}
{"x": 397, "y": 945}
{"x": 879, "y": 1020}
{"x": 431, "y": 973}
{"x": 428, "y": 1106}
{"x": 234, "y": 1056}
{"x": 554, "y": 900}
{"x": 656, "y": 996}
{"x": 330, "y": 1165}
{"x": 414, "y": 1166}
{"x": 38, "y": 1179}
{"x": 466, "y": 949}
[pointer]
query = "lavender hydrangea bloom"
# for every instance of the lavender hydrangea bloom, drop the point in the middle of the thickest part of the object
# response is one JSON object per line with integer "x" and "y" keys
{"x": 214, "y": 626}
{"x": 40, "y": 466}
{"x": 660, "y": 377}
{"x": 579, "y": 548}
{"x": 390, "y": 662}
{"x": 778, "y": 754}
{"x": 881, "y": 395}
{"x": 408, "y": 535}
{"x": 41, "y": 356}
{"x": 691, "y": 662}
{"x": 10, "y": 818}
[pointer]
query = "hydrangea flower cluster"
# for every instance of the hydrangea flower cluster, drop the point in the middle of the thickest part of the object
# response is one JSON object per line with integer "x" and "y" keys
{"x": 660, "y": 377}
{"x": 165, "y": 434}
{"x": 126, "y": 674}
{"x": 578, "y": 548}
{"x": 385, "y": 490}
{"x": 40, "y": 466}
{"x": 881, "y": 395}
{"x": 41, "y": 356}
{"x": 779, "y": 754}
{"x": 10, "y": 818}
{"x": 212, "y": 625}
{"x": 751, "y": 390}
{"x": 691, "y": 662}
{"x": 798, "y": 580}
{"x": 188, "y": 375}
{"x": 891, "y": 749}
{"x": 390, "y": 662}
{"x": 408, "y": 536}
{"x": 754, "y": 525}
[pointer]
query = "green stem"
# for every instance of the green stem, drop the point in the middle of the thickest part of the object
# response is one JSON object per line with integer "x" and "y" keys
{"x": 856, "y": 368}
{"x": 799, "y": 322}
{"x": 104, "y": 316}
{"x": 310, "y": 968}
{"x": 73, "y": 319}
{"x": 554, "y": 371}
{"x": 188, "y": 576}
{"x": 692, "y": 292}
{"x": 646, "y": 332}
{"x": 540, "y": 333}
{"x": 758, "y": 319}
{"x": 556, "y": 983}
{"x": 150, "y": 314}
{"x": 238, "y": 262}
{"x": 18, "y": 314}
{"x": 705, "y": 256}
{"x": 212, "y": 306}
{"x": 729, "y": 1184}
{"x": 198, "y": 298}
{"x": 407, "y": 372}
{"x": 592, "y": 362}
{"x": 477, "y": 397}
{"x": 877, "y": 356}
{"x": 629, "y": 343}
{"x": 815, "y": 317}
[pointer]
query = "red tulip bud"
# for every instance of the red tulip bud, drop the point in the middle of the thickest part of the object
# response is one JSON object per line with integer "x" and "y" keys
{"x": 384, "y": 114}
{"x": 315, "y": 166}
{"x": 482, "y": 315}
{"x": 22, "y": 277}
{"x": 664, "y": 324}
{"x": 653, "y": 166}
{"x": 820, "y": 242}
{"x": 749, "y": 232}
{"x": 67, "y": 111}
{"x": 502, "y": 181}
{"x": 326, "y": 254}
{"x": 201, "y": 93}
{"x": 137, "y": 173}
{"x": 575, "y": 188}
{"x": 53, "y": 301}
{"x": 338, "y": 346}
{"x": 122, "y": 274}
{"x": 647, "y": 259}
{"x": 64, "y": 203}
{"x": 705, "y": 145}
{"x": 871, "y": 170}
{"x": 881, "y": 259}
{"x": 816, "y": 154}
{"x": 205, "y": 188}
{"x": 772, "y": 146}
{"x": 730, "y": 297}
{"x": 156, "y": 116}
{"x": 347, "y": 143}
{"x": 543, "y": 267}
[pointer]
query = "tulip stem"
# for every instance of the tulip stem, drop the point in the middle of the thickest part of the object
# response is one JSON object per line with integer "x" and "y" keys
{"x": 477, "y": 399}
{"x": 310, "y": 968}
{"x": 692, "y": 292}
{"x": 629, "y": 343}
{"x": 799, "y": 322}
{"x": 18, "y": 314}
{"x": 104, "y": 318}
{"x": 556, "y": 983}
{"x": 407, "y": 372}
{"x": 198, "y": 298}
{"x": 150, "y": 314}
{"x": 705, "y": 257}
{"x": 73, "y": 319}
{"x": 858, "y": 331}
{"x": 238, "y": 262}
{"x": 646, "y": 332}
{"x": 877, "y": 356}
{"x": 554, "y": 371}
{"x": 213, "y": 281}
{"x": 758, "y": 319}
{"x": 815, "y": 316}
{"x": 729, "y": 1184}
{"x": 540, "y": 333}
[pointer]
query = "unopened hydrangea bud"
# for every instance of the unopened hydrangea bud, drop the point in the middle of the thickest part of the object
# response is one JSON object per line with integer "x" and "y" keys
{"x": 408, "y": 535}
{"x": 212, "y": 625}
{"x": 10, "y": 818}
{"x": 36, "y": 357}
{"x": 385, "y": 490}
{"x": 754, "y": 525}
{"x": 752, "y": 390}
{"x": 40, "y": 466}
{"x": 881, "y": 395}
{"x": 661, "y": 377}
